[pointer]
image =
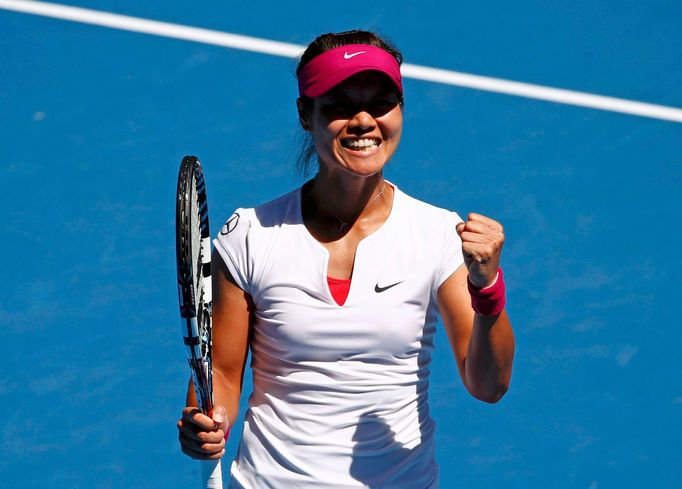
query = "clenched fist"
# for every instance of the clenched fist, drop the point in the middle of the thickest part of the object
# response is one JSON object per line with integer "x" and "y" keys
{"x": 202, "y": 437}
{"x": 482, "y": 240}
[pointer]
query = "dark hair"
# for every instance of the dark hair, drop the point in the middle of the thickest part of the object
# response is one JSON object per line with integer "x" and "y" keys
{"x": 320, "y": 45}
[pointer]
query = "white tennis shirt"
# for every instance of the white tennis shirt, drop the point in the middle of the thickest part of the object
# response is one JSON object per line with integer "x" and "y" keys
{"x": 340, "y": 392}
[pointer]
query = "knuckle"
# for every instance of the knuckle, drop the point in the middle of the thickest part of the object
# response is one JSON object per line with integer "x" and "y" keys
{"x": 203, "y": 436}
{"x": 211, "y": 437}
{"x": 217, "y": 455}
{"x": 210, "y": 449}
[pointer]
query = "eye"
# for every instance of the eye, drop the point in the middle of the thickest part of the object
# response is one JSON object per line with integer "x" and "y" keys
{"x": 337, "y": 108}
{"x": 382, "y": 106}
{"x": 382, "y": 103}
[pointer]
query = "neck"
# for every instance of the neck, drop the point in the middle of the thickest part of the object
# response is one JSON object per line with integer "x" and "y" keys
{"x": 338, "y": 203}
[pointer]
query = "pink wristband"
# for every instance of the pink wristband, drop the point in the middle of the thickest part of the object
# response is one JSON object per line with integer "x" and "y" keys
{"x": 488, "y": 301}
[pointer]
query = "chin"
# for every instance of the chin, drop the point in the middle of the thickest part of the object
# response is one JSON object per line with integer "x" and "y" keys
{"x": 364, "y": 170}
{"x": 364, "y": 165}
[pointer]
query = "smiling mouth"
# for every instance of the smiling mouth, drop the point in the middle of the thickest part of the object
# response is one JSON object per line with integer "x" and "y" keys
{"x": 364, "y": 144}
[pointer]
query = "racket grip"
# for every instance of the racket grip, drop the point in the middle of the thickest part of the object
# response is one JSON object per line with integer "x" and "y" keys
{"x": 211, "y": 474}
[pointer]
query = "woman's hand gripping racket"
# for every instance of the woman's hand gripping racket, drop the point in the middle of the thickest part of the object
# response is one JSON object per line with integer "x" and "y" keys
{"x": 193, "y": 248}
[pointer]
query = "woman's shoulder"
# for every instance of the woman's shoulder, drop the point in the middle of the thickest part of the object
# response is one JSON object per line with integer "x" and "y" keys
{"x": 425, "y": 212}
{"x": 273, "y": 213}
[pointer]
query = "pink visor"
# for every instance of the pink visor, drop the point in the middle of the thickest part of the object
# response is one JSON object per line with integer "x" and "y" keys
{"x": 330, "y": 68}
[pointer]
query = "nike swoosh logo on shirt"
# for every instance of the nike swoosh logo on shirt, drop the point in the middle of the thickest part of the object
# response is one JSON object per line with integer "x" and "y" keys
{"x": 378, "y": 289}
{"x": 349, "y": 56}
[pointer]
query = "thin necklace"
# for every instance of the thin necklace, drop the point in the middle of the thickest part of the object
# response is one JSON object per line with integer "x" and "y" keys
{"x": 343, "y": 224}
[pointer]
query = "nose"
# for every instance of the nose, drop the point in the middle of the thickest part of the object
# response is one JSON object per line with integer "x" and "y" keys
{"x": 361, "y": 122}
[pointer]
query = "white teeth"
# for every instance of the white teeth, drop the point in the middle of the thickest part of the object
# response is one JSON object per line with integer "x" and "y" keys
{"x": 366, "y": 144}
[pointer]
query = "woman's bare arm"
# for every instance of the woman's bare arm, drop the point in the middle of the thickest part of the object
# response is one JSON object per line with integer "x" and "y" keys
{"x": 201, "y": 436}
{"x": 483, "y": 345}
{"x": 232, "y": 309}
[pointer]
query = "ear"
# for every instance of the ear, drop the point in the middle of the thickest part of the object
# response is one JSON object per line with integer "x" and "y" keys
{"x": 303, "y": 115}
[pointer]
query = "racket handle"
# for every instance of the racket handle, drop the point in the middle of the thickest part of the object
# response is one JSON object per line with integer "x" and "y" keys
{"x": 211, "y": 475}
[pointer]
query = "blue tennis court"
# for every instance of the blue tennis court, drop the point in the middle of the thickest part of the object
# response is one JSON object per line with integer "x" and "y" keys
{"x": 95, "y": 121}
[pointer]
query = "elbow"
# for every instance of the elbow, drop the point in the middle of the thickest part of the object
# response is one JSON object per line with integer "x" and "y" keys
{"x": 490, "y": 395}
{"x": 487, "y": 384}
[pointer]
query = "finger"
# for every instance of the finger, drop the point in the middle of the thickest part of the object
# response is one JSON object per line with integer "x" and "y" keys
{"x": 193, "y": 432}
{"x": 460, "y": 227}
{"x": 219, "y": 416}
{"x": 481, "y": 253}
{"x": 494, "y": 241}
{"x": 194, "y": 416}
{"x": 188, "y": 431}
{"x": 206, "y": 443}
{"x": 482, "y": 227}
{"x": 199, "y": 454}
{"x": 469, "y": 237}
{"x": 209, "y": 442}
{"x": 480, "y": 218}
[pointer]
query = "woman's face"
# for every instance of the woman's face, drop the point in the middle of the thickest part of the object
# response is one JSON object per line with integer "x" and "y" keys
{"x": 356, "y": 126}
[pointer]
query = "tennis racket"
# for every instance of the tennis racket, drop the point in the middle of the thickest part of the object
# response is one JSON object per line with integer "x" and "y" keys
{"x": 193, "y": 249}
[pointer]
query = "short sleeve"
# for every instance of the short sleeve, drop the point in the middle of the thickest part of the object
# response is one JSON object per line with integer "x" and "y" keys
{"x": 451, "y": 255}
{"x": 232, "y": 243}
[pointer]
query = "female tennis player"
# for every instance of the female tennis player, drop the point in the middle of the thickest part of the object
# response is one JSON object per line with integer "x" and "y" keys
{"x": 336, "y": 288}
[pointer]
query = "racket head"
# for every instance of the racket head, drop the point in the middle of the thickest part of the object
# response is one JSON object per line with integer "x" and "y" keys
{"x": 193, "y": 253}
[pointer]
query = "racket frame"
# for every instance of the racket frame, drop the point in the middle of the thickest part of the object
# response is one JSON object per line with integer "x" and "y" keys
{"x": 195, "y": 292}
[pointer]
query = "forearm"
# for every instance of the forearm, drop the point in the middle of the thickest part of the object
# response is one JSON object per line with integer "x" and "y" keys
{"x": 224, "y": 394}
{"x": 489, "y": 358}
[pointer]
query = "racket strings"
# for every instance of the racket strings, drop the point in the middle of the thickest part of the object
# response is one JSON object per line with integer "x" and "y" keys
{"x": 194, "y": 276}
{"x": 201, "y": 271}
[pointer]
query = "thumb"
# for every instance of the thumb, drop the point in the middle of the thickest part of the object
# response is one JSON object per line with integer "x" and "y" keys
{"x": 460, "y": 227}
{"x": 220, "y": 417}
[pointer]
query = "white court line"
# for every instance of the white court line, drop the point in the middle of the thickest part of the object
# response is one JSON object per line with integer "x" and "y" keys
{"x": 276, "y": 48}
